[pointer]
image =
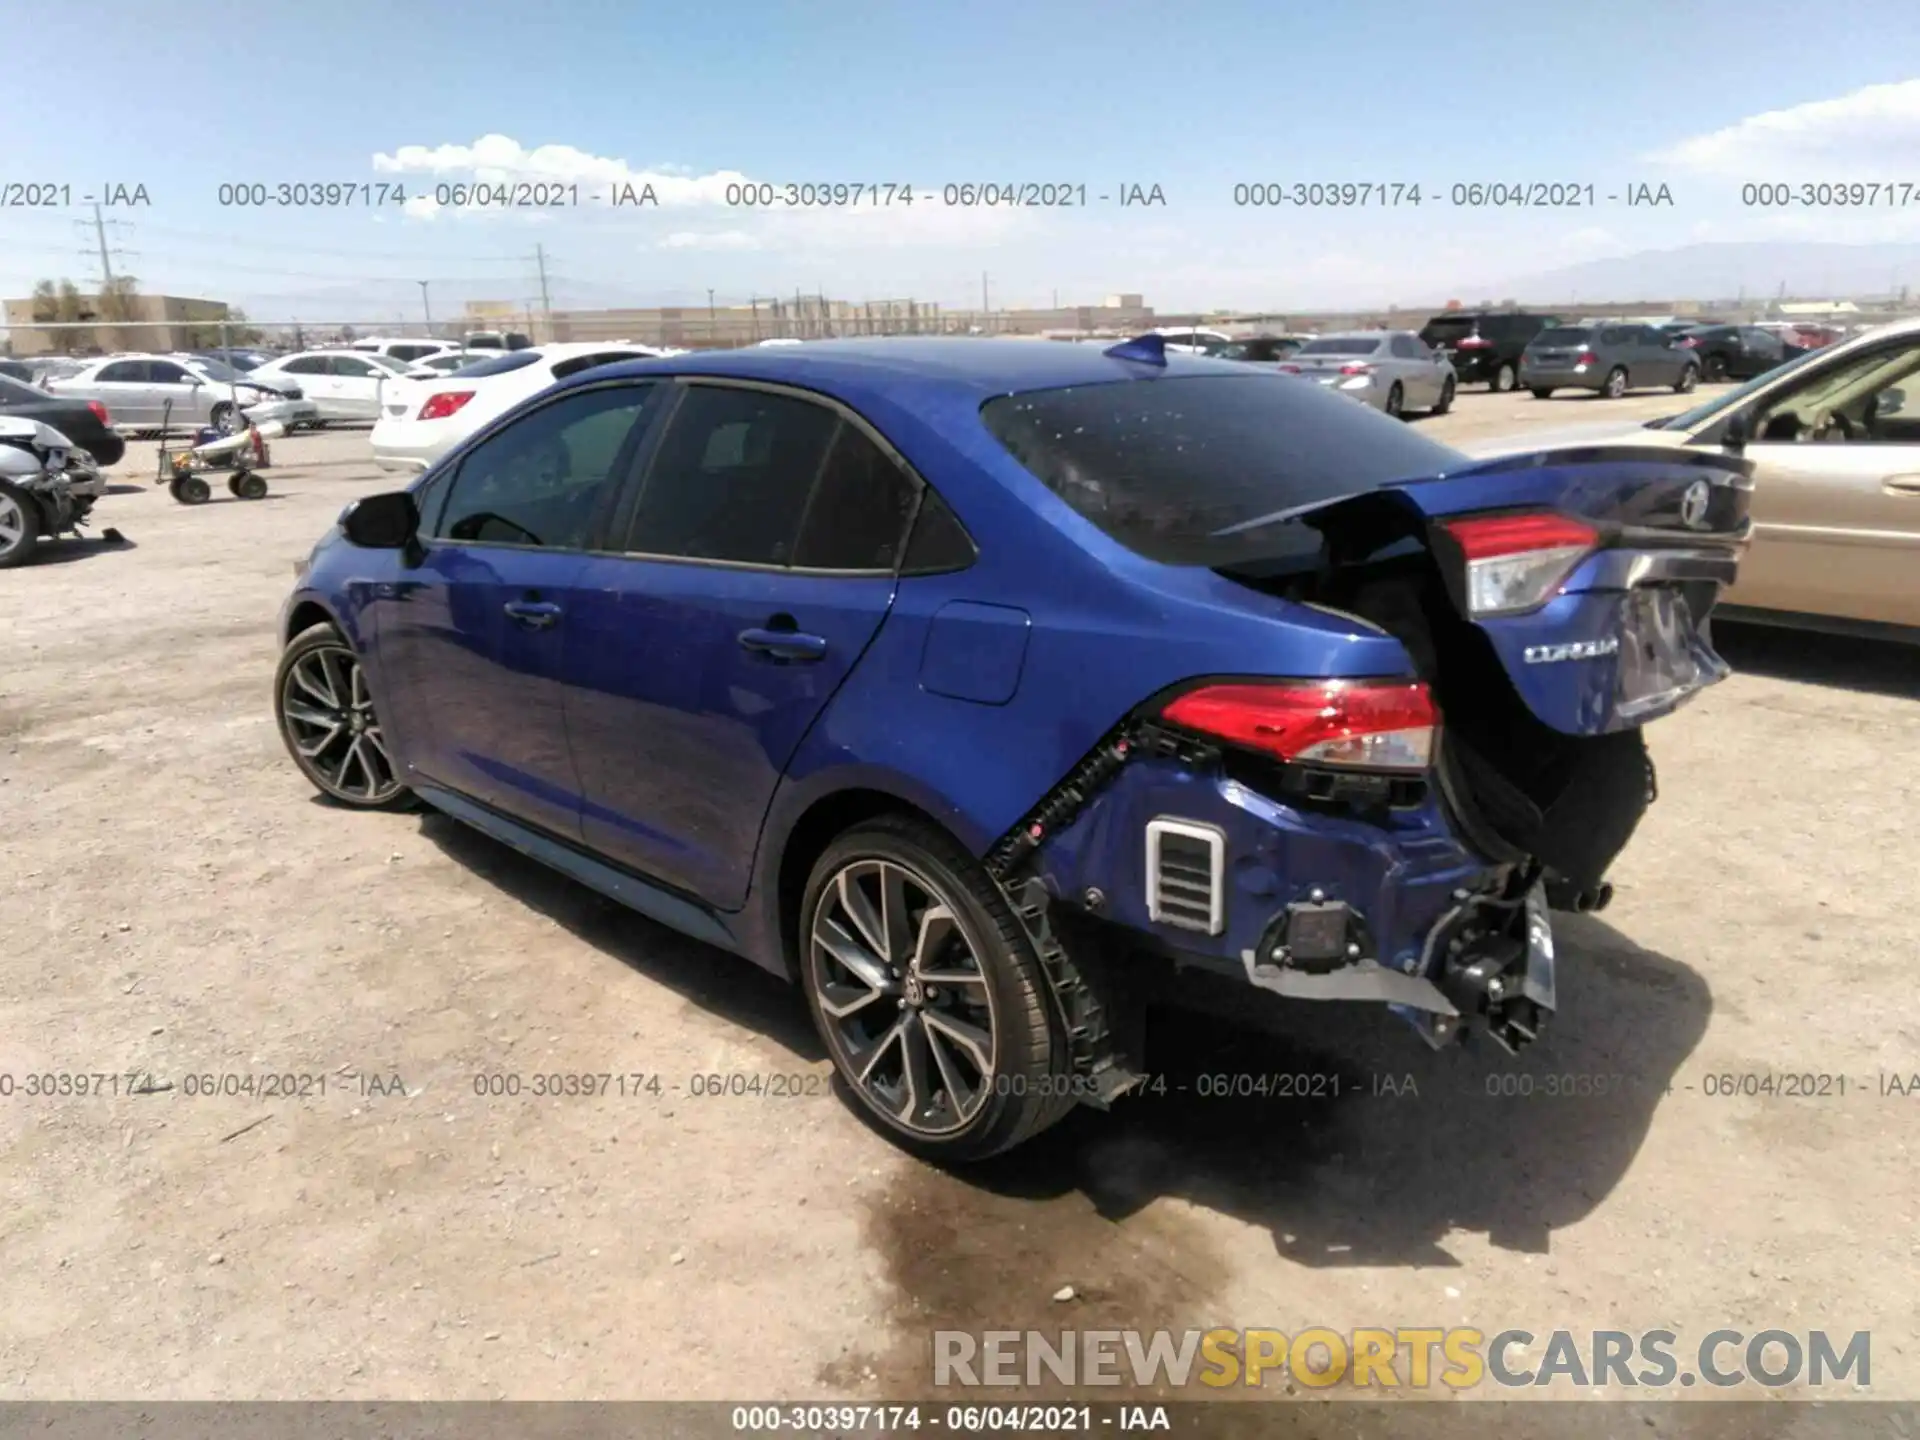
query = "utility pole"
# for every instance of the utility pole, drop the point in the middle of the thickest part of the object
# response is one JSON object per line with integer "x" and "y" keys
{"x": 546, "y": 303}
{"x": 425, "y": 308}
{"x": 713, "y": 325}
{"x": 986, "y": 310}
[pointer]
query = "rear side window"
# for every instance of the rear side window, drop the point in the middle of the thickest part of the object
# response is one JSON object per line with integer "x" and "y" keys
{"x": 732, "y": 476}
{"x": 940, "y": 543}
{"x": 1163, "y": 466}
{"x": 857, "y": 518}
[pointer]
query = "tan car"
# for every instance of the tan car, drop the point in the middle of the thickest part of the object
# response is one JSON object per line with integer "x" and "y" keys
{"x": 1836, "y": 501}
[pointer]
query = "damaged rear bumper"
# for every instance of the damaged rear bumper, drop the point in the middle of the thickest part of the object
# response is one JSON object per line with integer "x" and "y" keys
{"x": 1501, "y": 973}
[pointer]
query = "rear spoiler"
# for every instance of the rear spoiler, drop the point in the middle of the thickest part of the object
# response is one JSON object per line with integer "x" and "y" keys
{"x": 1734, "y": 470}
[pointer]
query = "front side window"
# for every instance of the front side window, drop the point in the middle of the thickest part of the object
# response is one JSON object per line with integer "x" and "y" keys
{"x": 732, "y": 476}
{"x": 122, "y": 372}
{"x": 165, "y": 372}
{"x": 540, "y": 481}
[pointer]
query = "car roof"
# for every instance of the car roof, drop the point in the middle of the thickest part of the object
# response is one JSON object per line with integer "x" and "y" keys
{"x": 891, "y": 367}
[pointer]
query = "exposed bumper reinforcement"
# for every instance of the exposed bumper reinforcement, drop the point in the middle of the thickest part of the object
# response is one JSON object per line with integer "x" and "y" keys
{"x": 1362, "y": 980}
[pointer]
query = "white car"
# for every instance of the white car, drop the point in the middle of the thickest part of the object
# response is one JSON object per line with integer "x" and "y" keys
{"x": 342, "y": 384}
{"x": 423, "y": 419}
{"x": 434, "y": 367}
{"x": 1192, "y": 340}
{"x": 411, "y": 348}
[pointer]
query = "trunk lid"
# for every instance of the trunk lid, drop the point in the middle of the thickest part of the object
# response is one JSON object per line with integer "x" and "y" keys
{"x": 1622, "y": 638}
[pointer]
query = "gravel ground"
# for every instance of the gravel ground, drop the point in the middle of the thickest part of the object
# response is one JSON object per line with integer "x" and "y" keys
{"x": 174, "y": 902}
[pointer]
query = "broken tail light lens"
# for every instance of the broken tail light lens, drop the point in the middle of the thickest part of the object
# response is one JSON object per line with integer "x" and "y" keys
{"x": 1362, "y": 724}
{"x": 1516, "y": 563}
{"x": 443, "y": 403}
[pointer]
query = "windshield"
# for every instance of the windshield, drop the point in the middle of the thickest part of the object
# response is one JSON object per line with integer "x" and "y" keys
{"x": 1164, "y": 466}
{"x": 1340, "y": 345}
{"x": 14, "y": 392}
{"x": 1701, "y": 414}
{"x": 1564, "y": 335}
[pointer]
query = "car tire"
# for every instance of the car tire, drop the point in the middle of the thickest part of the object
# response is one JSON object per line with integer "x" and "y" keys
{"x": 1716, "y": 369}
{"x": 319, "y": 687}
{"x": 1615, "y": 385}
{"x": 1505, "y": 378}
{"x": 1542, "y": 392}
{"x": 19, "y": 526}
{"x": 224, "y": 418}
{"x": 1396, "y": 403}
{"x": 973, "y": 1107}
{"x": 1689, "y": 377}
{"x": 1446, "y": 398}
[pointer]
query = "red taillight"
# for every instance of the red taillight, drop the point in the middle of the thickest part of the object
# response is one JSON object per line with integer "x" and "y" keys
{"x": 1585, "y": 357}
{"x": 1691, "y": 342}
{"x": 1291, "y": 369}
{"x": 1473, "y": 342}
{"x": 1518, "y": 562}
{"x": 1370, "y": 724}
{"x": 99, "y": 412}
{"x": 1356, "y": 369}
{"x": 443, "y": 403}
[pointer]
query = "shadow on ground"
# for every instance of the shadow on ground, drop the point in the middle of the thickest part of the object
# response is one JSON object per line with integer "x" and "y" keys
{"x": 67, "y": 550}
{"x": 734, "y": 989}
{"x": 1879, "y": 667}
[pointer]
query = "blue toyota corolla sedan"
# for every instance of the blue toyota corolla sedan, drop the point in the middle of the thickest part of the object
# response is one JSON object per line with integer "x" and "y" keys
{"x": 986, "y": 688}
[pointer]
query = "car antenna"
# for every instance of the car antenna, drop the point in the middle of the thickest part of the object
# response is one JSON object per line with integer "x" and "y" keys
{"x": 1142, "y": 349}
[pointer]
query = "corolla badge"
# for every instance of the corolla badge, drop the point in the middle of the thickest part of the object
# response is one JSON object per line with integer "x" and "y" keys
{"x": 1572, "y": 650}
{"x": 1693, "y": 505}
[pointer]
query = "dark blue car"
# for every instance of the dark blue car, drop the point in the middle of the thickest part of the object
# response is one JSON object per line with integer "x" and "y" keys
{"x": 987, "y": 688}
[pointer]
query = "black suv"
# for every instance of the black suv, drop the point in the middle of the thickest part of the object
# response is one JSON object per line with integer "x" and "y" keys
{"x": 1485, "y": 346}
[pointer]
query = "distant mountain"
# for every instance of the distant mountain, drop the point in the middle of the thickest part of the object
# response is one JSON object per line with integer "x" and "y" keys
{"x": 1808, "y": 270}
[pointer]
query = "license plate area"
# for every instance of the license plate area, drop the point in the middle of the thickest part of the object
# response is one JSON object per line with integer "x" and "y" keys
{"x": 1664, "y": 652}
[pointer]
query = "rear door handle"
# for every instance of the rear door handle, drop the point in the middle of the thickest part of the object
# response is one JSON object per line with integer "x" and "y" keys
{"x": 1902, "y": 484}
{"x": 784, "y": 644}
{"x": 534, "y": 614}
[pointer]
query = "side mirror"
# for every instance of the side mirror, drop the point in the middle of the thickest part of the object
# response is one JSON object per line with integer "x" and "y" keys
{"x": 1738, "y": 431}
{"x": 388, "y": 521}
{"x": 1890, "y": 402}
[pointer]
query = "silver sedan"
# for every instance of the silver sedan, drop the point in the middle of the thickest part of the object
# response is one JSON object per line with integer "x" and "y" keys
{"x": 1392, "y": 370}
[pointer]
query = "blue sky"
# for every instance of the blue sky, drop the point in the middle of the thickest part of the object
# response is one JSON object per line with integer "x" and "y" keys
{"x": 1193, "y": 97}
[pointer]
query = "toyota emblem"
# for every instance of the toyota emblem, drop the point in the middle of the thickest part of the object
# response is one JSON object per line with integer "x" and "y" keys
{"x": 1693, "y": 505}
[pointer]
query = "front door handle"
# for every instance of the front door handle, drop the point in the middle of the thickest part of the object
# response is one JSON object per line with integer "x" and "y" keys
{"x": 534, "y": 614}
{"x": 784, "y": 644}
{"x": 1902, "y": 484}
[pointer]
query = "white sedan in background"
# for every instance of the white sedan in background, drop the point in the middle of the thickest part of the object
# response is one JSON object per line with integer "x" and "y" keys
{"x": 420, "y": 420}
{"x": 342, "y": 384}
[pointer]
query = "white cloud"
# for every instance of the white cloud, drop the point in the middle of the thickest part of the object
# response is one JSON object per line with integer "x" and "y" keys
{"x": 710, "y": 240}
{"x": 1871, "y": 134}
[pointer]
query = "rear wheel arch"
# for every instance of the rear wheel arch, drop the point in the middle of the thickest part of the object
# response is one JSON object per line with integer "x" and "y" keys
{"x": 817, "y": 827}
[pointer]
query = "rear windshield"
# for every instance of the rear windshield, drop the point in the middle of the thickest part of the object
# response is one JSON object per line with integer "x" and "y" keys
{"x": 501, "y": 363}
{"x": 1564, "y": 335}
{"x": 1162, "y": 465}
{"x": 1441, "y": 332}
{"x": 1339, "y": 346}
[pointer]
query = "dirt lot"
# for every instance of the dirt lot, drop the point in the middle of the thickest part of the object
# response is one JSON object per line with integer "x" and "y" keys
{"x": 174, "y": 902}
